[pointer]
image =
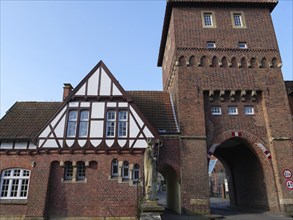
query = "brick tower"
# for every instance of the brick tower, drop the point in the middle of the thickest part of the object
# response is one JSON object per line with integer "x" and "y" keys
{"x": 222, "y": 66}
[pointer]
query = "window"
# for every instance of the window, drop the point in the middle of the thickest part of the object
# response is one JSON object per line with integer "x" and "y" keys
{"x": 211, "y": 44}
{"x": 122, "y": 121}
{"x": 125, "y": 170}
{"x": 238, "y": 20}
{"x": 14, "y": 184}
{"x": 83, "y": 123}
{"x": 122, "y": 124}
{"x": 72, "y": 121}
{"x": 216, "y": 110}
{"x": 248, "y": 110}
{"x": 68, "y": 170}
{"x": 232, "y": 110}
{"x": 135, "y": 172}
{"x": 80, "y": 173}
{"x": 110, "y": 127}
{"x": 208, "y": 19}
{"x": 242, "y": 45}
{"x": 114, "y": 168}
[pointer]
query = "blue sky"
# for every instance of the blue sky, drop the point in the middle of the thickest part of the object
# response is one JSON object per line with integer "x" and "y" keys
{"x": 47, "y": 43}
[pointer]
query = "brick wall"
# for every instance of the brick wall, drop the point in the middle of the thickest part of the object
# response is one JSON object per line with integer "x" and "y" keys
{"x": 98, "y": 196}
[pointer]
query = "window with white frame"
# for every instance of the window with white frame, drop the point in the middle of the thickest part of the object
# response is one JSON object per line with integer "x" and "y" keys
{"x": 232, "y": 110}
{"x": 242, "y": 45}
{"x": 111, "y": 122}
{"x": 211, "y": 44}
{"x": 14, "y": 184}
{"x": 68, "y": 170}
{"x": 248, "y": 110}
{"x": 216, "y": 110}
{"x": 80, "y": 171}
{"x": 122, "y": 123}
{"x": 135, "y": 172}
{"x": 114, "y": 168}
{"x": 73, "y": 121}
{"x": 125, "y": 170}
{"x": 238, "y": 20}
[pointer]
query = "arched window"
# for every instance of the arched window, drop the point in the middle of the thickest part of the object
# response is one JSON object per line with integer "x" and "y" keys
{"x": 80, "y": 172}
{"x": 192, "y": 61}
{"x": 215, "y": 62}
{"x": 122, "y": 123}
{"x": 111, "y": 122}
{"x": 224, "y": 62}
{"x": 243, "y": 63}
{"x": 182, "y": 61}
{"x": 68, "y": 170}
{"x": 253, "y": 63}
{"x": 135, "y": 172}
{"x": 14, "y": 184}
{"x": 264, "y": 63}
{"x": 234, "y": 62}
{"x": 125, "y": 170}
{"x": 114, "y": 168}
{"x": 204, "y": 61}
{"x": 274, "y": 62}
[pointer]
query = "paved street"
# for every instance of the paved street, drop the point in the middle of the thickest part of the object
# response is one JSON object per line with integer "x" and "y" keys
{"x": 220, "y": 209}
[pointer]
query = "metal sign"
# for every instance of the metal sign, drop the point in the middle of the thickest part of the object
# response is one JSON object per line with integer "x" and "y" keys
{"x": 289, "y": 184}
{"x": 287, "y": 173}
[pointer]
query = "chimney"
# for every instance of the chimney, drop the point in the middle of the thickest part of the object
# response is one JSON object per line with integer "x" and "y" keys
{"x": 67, "y": 89}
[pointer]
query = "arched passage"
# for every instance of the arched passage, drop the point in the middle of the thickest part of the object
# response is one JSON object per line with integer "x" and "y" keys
{"x": 247, "y": 187}
{"x": 173, "y": 199}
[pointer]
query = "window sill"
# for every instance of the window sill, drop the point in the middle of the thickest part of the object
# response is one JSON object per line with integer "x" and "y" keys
{"x": 74, "y": 181}
{"x": 13, "y": 201}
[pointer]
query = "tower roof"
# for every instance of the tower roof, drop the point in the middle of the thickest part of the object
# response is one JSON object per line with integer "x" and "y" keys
{"x": 218, "y": 3}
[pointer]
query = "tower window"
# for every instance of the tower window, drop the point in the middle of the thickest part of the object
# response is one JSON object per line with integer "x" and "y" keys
{"x": 232, "y": 110}
{"x": 248, "y": 110}
{"x": 211, "y": 44}
{"x": 208, "y": 19}
{"x": 216, "y": 110}
{"x": 238, "y": 20}
{"x": 242, "y": 45}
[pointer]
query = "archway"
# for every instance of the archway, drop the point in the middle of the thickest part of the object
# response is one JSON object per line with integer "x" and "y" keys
{"x": 245, "y": 175}
{"x": 172, "y": 188}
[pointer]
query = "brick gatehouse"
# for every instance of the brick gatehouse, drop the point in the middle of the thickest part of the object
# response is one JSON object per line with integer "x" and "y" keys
{"x": 223, "y": 95}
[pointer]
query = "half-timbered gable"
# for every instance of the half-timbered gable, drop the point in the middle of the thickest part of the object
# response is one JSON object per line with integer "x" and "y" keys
{"x": 97, "y": 114}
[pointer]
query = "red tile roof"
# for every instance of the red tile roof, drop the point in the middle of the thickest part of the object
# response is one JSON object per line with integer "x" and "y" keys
{"x": 157, "y": 108}
{"x": 24, "y": 119}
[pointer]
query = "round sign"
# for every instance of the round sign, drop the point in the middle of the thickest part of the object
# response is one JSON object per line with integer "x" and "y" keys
{"x": 289, "y": 184}
{"x": 287, "y": 173}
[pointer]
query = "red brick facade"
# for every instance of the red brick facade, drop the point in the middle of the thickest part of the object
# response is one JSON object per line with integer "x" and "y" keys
{"x": 254, "y": 148}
